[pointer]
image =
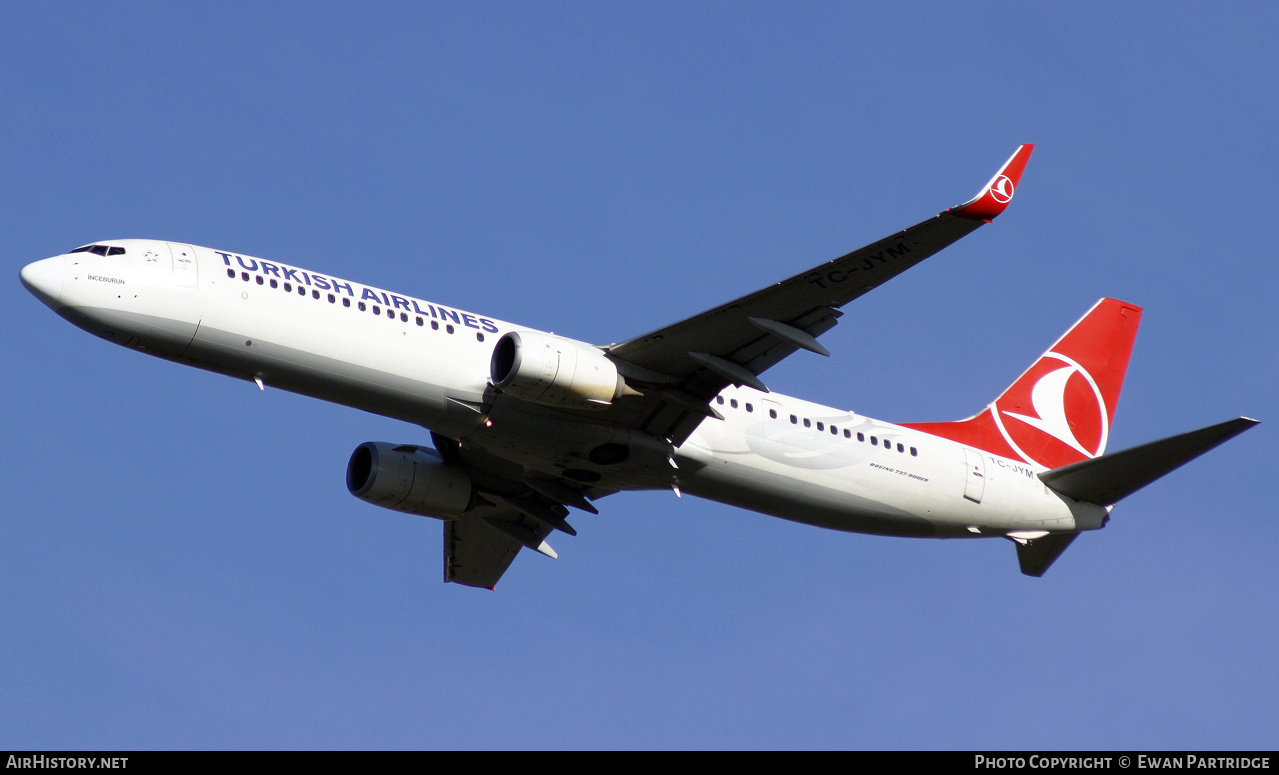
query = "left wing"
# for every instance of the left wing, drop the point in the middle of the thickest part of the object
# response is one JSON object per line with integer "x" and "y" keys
{"x": 512, "y": 510}
{"x": 478, "y": 548}
{"x": 686, "y": 364}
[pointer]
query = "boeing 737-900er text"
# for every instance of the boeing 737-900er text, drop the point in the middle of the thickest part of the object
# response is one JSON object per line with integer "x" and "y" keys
{"x": 526, "y": 424}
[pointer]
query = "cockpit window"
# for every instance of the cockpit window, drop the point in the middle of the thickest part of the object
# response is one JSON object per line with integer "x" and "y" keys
{"x": 101, "y": 250}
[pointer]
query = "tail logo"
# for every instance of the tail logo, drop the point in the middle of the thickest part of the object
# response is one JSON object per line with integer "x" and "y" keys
{"x": 1001, "y": 189}
{"x": 1070, "y": 418}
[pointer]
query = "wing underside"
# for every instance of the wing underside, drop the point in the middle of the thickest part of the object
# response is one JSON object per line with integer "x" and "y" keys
{"x": 681, "y": 367}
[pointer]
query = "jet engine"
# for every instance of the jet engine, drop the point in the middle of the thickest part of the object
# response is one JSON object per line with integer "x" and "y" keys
{"x": 554, "y": 371}
{"x": 408, "y": 478}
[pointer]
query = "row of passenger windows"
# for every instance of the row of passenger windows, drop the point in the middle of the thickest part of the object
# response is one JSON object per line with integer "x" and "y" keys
{"x": 821, "y": 426}
{"x": 346, "y": 302}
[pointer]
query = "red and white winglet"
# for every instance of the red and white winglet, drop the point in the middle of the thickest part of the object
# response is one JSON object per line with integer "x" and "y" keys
{"x": 996, "y": 194}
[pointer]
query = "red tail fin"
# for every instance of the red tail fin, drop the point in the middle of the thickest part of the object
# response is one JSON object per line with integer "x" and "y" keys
{"x": 1059, "y": 411}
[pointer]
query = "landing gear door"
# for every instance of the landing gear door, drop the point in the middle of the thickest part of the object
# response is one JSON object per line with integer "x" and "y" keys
{"x": 975, "y": 478}
{"x": 184, "y": 264}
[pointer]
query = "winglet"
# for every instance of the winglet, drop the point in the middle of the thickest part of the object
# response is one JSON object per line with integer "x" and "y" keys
{"x": 996, "y": 194}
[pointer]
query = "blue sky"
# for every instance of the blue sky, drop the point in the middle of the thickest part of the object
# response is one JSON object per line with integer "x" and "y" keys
{"x": 183, "y": 566}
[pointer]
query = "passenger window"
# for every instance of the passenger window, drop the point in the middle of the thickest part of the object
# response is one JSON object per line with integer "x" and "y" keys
{"x": 346, "y": 302}
{"x": 435, "y": 325}
{"x": 479, "y": 337}
{"x": 230, "y": 273}
{"x": 848, "y": 434}
{"x": 361, "y": 306}
{"x": 419, "y": 321}
{"x": 315, "y": 294}
{"x": 772, "y": 413}
{"x": 332, "y": 299}
{"x": 874, "y": 441}
{"x": 377, "y": 310}
{"x": 449, "y": 328}
{"x": 259, "y": 279}
{"x": 793, "y": 419}
{"x": 808, "y": 423}
{"x": 901, "y": 448}
{"x": 301, "y": 291}
{"x": 275, "y": 283}
{"x": 834, "y": 431}
{"x": 914, "y": 452}
{"x": 404, "y": 318}
{"x": 750, "y": 408}
{"x": 821, "y": 426}
{"x": 719, "y": 400}
{"x": 288, "y": 287}
{"x": 861, "y": 436}
{"x": 732, "y": 402}
{"x": 244, "y": 276}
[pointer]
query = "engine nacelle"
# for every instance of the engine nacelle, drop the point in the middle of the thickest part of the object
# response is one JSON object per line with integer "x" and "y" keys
{"x": 408, "y": 478}
{"x": 554, "y": 371}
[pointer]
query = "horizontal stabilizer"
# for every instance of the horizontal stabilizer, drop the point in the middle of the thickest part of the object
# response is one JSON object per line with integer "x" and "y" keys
{"x": 1106, "y": 479}
{"x": 1037, "y": 554}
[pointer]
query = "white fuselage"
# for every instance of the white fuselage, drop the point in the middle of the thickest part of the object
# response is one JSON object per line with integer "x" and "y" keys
{"x": 428, "y": 364}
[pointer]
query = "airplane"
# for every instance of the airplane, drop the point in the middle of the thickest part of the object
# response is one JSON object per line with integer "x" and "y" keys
{"x": 526, "y": 424}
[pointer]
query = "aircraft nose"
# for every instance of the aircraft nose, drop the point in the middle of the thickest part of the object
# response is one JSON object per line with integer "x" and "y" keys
{"x": 44, "y": 279}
